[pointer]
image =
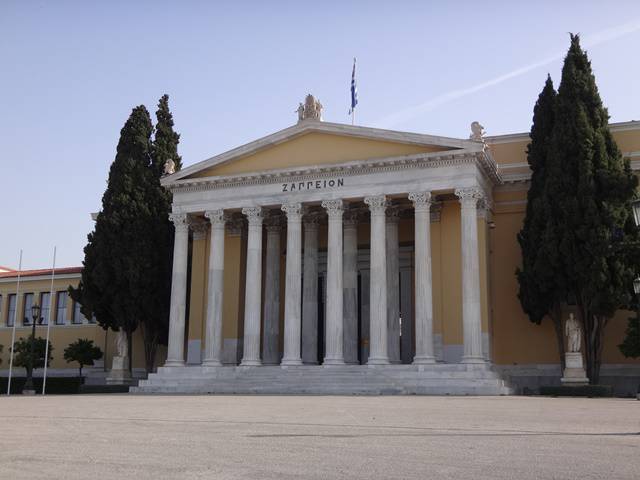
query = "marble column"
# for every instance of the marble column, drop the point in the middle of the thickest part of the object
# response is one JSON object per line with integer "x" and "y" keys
{"x": 177, "y": 312}
{"x": 253, "y": 289}
{"x": 471, "y": 317}
{"x": 271, "y": 333}
{"x": 310, "y": 292}
{"x": 393, "y": 286}
{"x": 333, "y": 325}
{"x": 213, "y": 326}
{"x": 350, "y": 287}
{"x": 293, "y": 286}
{"x": 423, "y": 278}
{"x": 378, "y": 282}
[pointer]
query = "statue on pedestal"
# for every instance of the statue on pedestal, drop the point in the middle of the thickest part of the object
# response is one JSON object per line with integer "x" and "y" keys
{"x": 119, "y": 373}
{"x": 574, "y": 372}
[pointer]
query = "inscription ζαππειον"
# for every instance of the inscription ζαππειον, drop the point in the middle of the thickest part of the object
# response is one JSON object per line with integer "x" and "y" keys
{"x": 312, "y": 185}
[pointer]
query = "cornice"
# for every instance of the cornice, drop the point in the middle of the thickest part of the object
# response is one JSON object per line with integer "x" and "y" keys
{"x": 359, "y": 167}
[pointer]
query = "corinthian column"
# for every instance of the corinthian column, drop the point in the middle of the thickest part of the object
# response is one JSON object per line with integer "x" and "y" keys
{"x": 350, "y": 343}
{"x": 213, "y": 327}
{"x": 424, "y": 299}
{"x": 293, "y": 286}
{"x": 310, "y": 292}
{"x": 177, "y": 312}
{"x": 253, "y": 289}
{"x": 333, "y": 325}
{"x": 471, "y": 319}
{"x": 393, "y": 286}
{"x": 271, "y": 333}
{"x": 378, "y": 284}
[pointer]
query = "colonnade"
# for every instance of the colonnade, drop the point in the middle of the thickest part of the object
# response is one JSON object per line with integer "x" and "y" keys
{"x": 300, "y": 300}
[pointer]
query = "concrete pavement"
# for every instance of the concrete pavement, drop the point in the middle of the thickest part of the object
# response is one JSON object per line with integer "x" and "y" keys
{"x": 282, "y": 437}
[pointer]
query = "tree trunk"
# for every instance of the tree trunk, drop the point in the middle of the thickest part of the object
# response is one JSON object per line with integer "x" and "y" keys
{"x": 130, "y": 349}
{"x": 593, "y": 329}
{"x": 150, "y": 347}
{"x": 556, "y": 317}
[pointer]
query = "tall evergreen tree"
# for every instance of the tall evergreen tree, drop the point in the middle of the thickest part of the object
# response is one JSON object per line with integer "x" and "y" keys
{"x": 115, "y": 262}
{"x": 589, "y": 188}
{"x": 538, "y": 294}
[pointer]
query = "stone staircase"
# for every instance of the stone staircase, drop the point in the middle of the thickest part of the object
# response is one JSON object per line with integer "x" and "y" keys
{"x": 437, "y": 379}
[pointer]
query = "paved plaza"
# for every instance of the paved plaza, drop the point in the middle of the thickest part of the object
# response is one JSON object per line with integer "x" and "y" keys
{"x": 283, "y": 437}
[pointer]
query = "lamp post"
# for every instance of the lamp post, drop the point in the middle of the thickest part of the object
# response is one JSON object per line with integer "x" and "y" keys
{"x": 35, "y": 318}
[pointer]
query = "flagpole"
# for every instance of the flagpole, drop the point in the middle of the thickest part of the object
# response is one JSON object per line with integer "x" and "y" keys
{"x": 15, "y": 321}
{"x": 46, "y": 348}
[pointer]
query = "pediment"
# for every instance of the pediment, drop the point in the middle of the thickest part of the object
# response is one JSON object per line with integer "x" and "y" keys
{"x": 316, "y": 144}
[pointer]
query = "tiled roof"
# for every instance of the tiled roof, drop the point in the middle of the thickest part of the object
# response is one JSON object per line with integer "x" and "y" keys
{"x": 46, "y": 272}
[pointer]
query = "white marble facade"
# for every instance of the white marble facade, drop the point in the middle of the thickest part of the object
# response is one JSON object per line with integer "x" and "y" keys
{"x": 297, "y": 200}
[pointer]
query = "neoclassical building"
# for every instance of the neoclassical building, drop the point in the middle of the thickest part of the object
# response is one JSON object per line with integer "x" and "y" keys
{"x": 332, "y": 258}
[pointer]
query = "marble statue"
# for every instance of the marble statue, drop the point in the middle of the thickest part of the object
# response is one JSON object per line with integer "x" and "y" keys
{"x": 477, "y": 132}
{"x": 169, "y": 167}
{"x": 122, "y": 344}
{"x": 574, "y": 334}
{"x": 310, "y": 110}
{"x": 300, "y": 111}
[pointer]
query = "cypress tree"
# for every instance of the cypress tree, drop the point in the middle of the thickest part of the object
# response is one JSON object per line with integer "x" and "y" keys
{"x": 538, "y": 294}
{"x": 165, "y": 144}
{"x": 589, "y": 190}
{"x": 114, "y": 263}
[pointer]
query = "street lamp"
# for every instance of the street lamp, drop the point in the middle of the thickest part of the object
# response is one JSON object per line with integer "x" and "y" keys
{"x": 35, "y": 318}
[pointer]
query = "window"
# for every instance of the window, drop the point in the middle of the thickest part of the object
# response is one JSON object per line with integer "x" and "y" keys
{"x": 28, "y": 303}
{"x": 61, "y": 313}
{"x": 45, "y": 307}
{"x": 11, "y": 314}
{"x": 78, "y": 318}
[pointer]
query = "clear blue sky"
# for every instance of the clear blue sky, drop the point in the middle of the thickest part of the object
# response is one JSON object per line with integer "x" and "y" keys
{"x": 235, "y": 71}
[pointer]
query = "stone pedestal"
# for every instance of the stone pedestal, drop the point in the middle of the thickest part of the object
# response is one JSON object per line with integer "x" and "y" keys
{"x": 119, "y": 373}
{"x": 574, "y": 373}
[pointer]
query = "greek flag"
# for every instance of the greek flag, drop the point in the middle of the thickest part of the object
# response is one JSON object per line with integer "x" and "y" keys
{"x": 354, "y": 89}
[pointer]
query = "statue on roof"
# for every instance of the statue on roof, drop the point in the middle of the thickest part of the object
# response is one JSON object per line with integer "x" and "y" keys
{"x": 169, "y": 167}
{"x": 477, "y": 132}
{"x": 311, "y": 110}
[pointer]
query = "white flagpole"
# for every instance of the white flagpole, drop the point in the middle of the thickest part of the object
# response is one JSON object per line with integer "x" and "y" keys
{"x": 15, "y": 321}
{"x": 46, "y": 348}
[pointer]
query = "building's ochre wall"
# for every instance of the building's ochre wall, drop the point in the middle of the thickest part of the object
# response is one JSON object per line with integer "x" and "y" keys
{"x": 60, "y": 335}
{"x": 314, "y": 149}
{"x": 513, "y": 152}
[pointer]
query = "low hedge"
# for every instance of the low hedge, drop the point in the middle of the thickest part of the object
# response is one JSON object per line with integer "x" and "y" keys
{"x": 577, "y": 391}
{"x": 60, "y": 385}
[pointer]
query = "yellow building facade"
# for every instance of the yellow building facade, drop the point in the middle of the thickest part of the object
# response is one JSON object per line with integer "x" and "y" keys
{"x": 62, "y": 316}
{"x": 331, "y": 258}
{"x": 389, "y": 289}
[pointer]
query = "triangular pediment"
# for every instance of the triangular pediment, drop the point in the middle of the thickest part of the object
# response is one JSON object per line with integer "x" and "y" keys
{"x": 316, "y": 144}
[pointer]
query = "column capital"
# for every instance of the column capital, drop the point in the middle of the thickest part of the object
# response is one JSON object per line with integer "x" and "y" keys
{"x": 377, "y": 204}
{"x": 273, "y": 221}
{"x": 293, "y": 211}
{"x": 199, "y": 229}
{"x": 216, "y": 217}
{"x": 335, "y": 208}
{"x": 180, "y": 221}
{"x": 469, "y": 196}
{"x": 254, "y": 215}
{"x": 393, "y": 213}
{"x": 421, "y": 200}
